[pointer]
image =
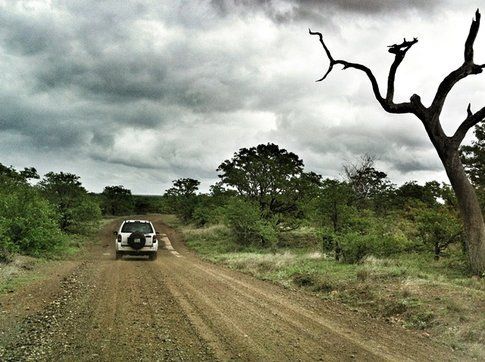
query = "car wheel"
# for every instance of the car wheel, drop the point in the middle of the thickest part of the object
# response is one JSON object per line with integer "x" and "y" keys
{"x": 119, "y": 254}
{"x": 153, "y": 256}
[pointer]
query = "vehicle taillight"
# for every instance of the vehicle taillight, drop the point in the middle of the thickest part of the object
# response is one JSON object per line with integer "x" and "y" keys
{"x": 119, "y": 238}
{"x": 154, "y": 238}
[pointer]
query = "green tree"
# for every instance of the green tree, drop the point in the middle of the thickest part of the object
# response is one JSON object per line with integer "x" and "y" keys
{"x": 65, "y": 191}
{"x": 333, "y": 204}
{"x": 86, "y": 215}
{"x": 438, "y": 227}
{"x": 9, "y": 174}
{"x": 28, "y": 222}
{"x": 144, "y": 204}
{"x": 182, "y": 197}
{"x": 411, "y": 192}
{"x": 244, "y": 219}
{"x": 117, "y": 200}
{"x": 271, "y": 177}
{"x": 367, "y": 182}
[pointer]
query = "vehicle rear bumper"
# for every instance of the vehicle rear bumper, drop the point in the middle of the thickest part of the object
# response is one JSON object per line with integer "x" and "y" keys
{"x": 129, "y": 250}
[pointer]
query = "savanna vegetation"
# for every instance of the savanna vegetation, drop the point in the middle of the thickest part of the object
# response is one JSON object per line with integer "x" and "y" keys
{"x": 54, "y": 215}
{"x": 45, "y": 219}
{"x": 264, "y": 195}
{"x": 396, "y": 252}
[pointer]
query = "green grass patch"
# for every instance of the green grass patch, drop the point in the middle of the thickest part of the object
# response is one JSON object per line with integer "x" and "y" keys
{"x": 19, "y": 272}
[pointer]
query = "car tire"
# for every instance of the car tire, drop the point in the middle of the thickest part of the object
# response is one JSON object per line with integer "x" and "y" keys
{"x": 153, "y": 256}
{"x": 119, "y": 255}
{"x": 136, "y": 240}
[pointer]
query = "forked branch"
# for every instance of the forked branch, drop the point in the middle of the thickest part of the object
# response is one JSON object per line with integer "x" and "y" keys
{"x": 470, "y": 121}
{"x": 403, "y": 47}
{"x": 387, "y": 103}
{"x": 400, "y": 51}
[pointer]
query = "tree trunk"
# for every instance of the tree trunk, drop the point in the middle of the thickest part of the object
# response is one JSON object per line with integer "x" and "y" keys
{"x": 470, "y": 211}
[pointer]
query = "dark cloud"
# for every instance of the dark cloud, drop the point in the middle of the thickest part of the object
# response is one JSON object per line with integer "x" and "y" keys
{"x": 118, "y": 78}
{"x": 412, "y": 165}
{"x": 317, "y": 11}
{"x": 169, "y": 89}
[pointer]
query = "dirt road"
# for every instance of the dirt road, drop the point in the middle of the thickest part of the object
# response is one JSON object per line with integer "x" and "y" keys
{"x": 181, "y": 308}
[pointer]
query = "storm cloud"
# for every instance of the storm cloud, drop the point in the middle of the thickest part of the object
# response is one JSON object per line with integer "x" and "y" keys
{"x": 140, "y": 93}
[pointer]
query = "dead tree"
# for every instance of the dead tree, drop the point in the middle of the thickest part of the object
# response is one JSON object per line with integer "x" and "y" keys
{"x": 446, "y": 146}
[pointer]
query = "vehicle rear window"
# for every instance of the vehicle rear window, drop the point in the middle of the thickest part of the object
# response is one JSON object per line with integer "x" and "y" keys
{"x": 131, "y": 227}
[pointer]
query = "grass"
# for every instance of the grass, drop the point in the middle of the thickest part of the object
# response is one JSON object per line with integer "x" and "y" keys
{"x": 22, "y": 269}
{"x": 18, "y": 272}
{"x": 436, "y": 298}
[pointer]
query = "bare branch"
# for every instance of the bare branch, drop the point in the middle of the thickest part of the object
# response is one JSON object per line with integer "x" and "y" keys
{"x": 471, "y": 37}
{"x": 467, "y": 68}
{"x": 471, "y": 120}
{"x": 400, "y": 50}
{"x": 375, "y": 85}
{"x": 332, "y": 61}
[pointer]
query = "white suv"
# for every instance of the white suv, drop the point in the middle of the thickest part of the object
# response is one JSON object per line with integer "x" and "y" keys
{"x": 136, "y": 237}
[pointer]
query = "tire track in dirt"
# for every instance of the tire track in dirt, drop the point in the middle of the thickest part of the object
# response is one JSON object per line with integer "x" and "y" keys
{"x": 299, "y": 319}
{"x": 235, "y": 340}
{"x": 266, "y": 331}
{"x": 350, "y": 335}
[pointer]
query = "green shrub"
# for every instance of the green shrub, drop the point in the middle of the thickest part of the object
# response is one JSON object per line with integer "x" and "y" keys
{"x": 303, "y": 237}
{"x": 243, "y": 217}
{"x": 248, "y": 227}
{"x": 28, "y": 223}
{"x": 438, "y": 228}
{"x": 267, "y": 233}
{"x": 207, "y": 214}
{"x": 328, "y": 239}
{"x": 85, "y": 216}
{"x": 379, "y": 237}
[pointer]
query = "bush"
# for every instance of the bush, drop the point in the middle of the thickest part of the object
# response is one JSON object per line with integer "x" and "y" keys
{"x": 303, "y": 237}
{"x": 28, "y": 223}
{"x": 206, "y": 213}
{"x": 248, "y": 227}
{"x": 243, "y": 217}
{"x": 85, "y": 216}
{"x": 438, "y": 227}
{"x": 377, "y": 236}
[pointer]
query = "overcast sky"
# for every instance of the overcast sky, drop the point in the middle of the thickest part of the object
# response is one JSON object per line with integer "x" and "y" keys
{"x": 146, "y": 92}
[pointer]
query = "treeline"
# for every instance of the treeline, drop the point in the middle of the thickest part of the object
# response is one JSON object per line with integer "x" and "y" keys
{"x": 267, "y": 200}
{"x": 46, "y": 218}
{"x": 117, "y": 200}
{"x": 57, "y": 212}
{"x": 264, "y": 197}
